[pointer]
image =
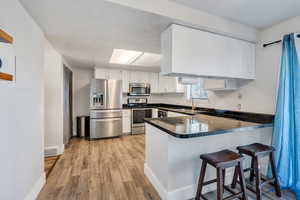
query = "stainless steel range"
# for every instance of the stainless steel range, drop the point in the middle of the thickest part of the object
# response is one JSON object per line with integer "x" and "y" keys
{"x": 140, "y": 111}
{"x": 105, "y": 108}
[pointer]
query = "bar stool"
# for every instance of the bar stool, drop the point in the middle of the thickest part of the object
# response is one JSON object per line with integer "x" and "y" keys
{"x": 222, "y": 160}
{"x": 256, "y": 151}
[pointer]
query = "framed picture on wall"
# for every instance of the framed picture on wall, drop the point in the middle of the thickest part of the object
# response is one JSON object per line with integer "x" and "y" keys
{"x": 7, "y": 58}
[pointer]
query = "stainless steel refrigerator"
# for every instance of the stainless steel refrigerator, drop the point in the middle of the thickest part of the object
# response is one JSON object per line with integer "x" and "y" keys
{"x": 105, "y": 108}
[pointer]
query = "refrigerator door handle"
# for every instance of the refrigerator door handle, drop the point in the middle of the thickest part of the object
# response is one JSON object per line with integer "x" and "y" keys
{"x": 105, "y": 111}
{"x": 106, "y": 120}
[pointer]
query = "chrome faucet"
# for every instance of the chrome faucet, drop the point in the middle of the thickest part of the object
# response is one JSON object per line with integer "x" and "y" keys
{"x": 193, "y": 104}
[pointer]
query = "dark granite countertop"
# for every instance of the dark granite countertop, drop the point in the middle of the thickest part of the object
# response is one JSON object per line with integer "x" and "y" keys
{"x": 238, "y": 115}
{"x": 202, "y": 125}
{"x": 187, "y": 111}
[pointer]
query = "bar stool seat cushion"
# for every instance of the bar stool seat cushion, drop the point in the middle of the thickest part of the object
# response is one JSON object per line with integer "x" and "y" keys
{"x": 222, "y": 158}
{"x": 255, "y": 149}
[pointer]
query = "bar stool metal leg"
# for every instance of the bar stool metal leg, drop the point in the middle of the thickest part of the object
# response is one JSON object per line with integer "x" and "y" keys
{"x": 252, "y": 171}
{"x": 201, "y": 180}
{"x": 276, "y": 183}
{"x": 219, "y": 184}
{"x": 242, "y": 180}
{"x": 234, "y": 179}
{"x": 224, "y": 175}
{"x": 257, "y": 178}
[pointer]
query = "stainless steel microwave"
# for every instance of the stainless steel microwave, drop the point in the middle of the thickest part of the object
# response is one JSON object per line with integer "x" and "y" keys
{"x": 139, "y": 89}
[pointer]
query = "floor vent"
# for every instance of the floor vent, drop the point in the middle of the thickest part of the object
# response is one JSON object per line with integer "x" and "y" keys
{"x": 51, "y": 151}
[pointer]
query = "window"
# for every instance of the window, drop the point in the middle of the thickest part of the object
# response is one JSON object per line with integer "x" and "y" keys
{"x": 196, "y": 91}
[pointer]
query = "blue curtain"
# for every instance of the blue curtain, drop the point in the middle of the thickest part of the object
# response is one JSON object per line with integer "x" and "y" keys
{"x": 286, "y": 132}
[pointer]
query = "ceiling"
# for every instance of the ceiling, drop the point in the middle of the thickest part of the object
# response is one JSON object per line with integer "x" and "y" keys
{"x": 86, "y": 32}
{"x": 255, "y": 13}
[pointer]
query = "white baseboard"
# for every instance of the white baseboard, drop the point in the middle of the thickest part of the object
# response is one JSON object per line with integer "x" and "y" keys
{"x": 183, "y": 193}
{"x": 54, "y": 150}
{"x": 61, "y": 149}
{"x": 37, "y": 187}
{"x": 155, "y": 182}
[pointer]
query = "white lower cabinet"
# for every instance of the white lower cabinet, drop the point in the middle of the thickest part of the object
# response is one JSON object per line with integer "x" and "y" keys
{"x": 126, "y": 117}
{"x": 154, "y": 113}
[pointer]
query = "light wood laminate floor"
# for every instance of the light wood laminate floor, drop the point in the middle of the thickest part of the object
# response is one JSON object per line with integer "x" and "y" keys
{"x": 103, "y": 169}
{"x": 109, "y": 169}
{"x": 49, "y": 164}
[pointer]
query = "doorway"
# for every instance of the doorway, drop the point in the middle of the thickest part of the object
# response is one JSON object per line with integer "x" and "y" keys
{"x": 68, "y": 107}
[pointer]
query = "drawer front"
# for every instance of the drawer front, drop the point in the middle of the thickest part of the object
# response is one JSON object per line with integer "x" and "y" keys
{"x": 102, "y": 128}
{"x": 126, "y": 113}
{"x": 95, "y": 114}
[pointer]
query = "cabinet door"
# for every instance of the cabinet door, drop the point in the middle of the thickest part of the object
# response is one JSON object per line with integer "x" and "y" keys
{"x": 101, "y": 73}
{"x": 135, "y": 77}
{"x": 125, "y": 80}
{"x": 169, "y": 84}
{"x": 154, "y": 113}
{"x": 126, "y": 117}
{"x": 153, "y": 80}
{"x": 139, "y": 77}
{"x": 115, "y": 74}
{"x": 193, "y": 52}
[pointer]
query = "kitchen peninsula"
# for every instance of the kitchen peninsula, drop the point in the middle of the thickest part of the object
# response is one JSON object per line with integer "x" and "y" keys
{"x": 174, "y": 144}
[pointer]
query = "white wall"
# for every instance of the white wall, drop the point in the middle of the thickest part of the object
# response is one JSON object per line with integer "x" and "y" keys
{"x": 21, "y": 108}
{"x": 81, "y": 92}
{"x": 53, "y": 100}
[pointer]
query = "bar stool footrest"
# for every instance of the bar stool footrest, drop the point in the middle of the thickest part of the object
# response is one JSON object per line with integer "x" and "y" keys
{"x": 234, "y": 194}
{"x": 210, "y": 182}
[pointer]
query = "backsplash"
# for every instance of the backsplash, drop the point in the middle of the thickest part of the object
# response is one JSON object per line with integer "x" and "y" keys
{"x": 227, "y": 100}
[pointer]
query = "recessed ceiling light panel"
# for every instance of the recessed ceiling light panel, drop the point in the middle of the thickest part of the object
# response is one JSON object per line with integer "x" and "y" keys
{"x": 148, "y": 60}
{"x": 124, "y": 57}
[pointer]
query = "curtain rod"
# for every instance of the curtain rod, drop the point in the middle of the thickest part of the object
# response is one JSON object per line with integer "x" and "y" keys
{"x": 275, "y": 42}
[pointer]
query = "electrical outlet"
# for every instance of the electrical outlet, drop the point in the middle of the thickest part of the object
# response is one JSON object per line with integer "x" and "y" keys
{"x": 240, "y": 96}
{"x": 239, "y": 106}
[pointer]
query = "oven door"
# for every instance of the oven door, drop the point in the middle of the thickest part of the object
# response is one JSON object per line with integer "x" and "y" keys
{"x": 138, "y": 116}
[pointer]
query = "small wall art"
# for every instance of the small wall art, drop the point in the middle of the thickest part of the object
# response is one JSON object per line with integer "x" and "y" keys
{"x": 7, "y": 57}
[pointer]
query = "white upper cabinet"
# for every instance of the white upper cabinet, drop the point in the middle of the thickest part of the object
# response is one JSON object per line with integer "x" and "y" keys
{"x": 125, "y": 80}
{"x": 115, "y": 74}
{"x": 101, "y": 73}
{"x": 153, "y": 80}
{"x": 220, "y": 84}
{"x": 169, "y": 85}
{"x": 139, "y": 77}
{"x": 191, "y": 52}
{"x": 159, "y": 83}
